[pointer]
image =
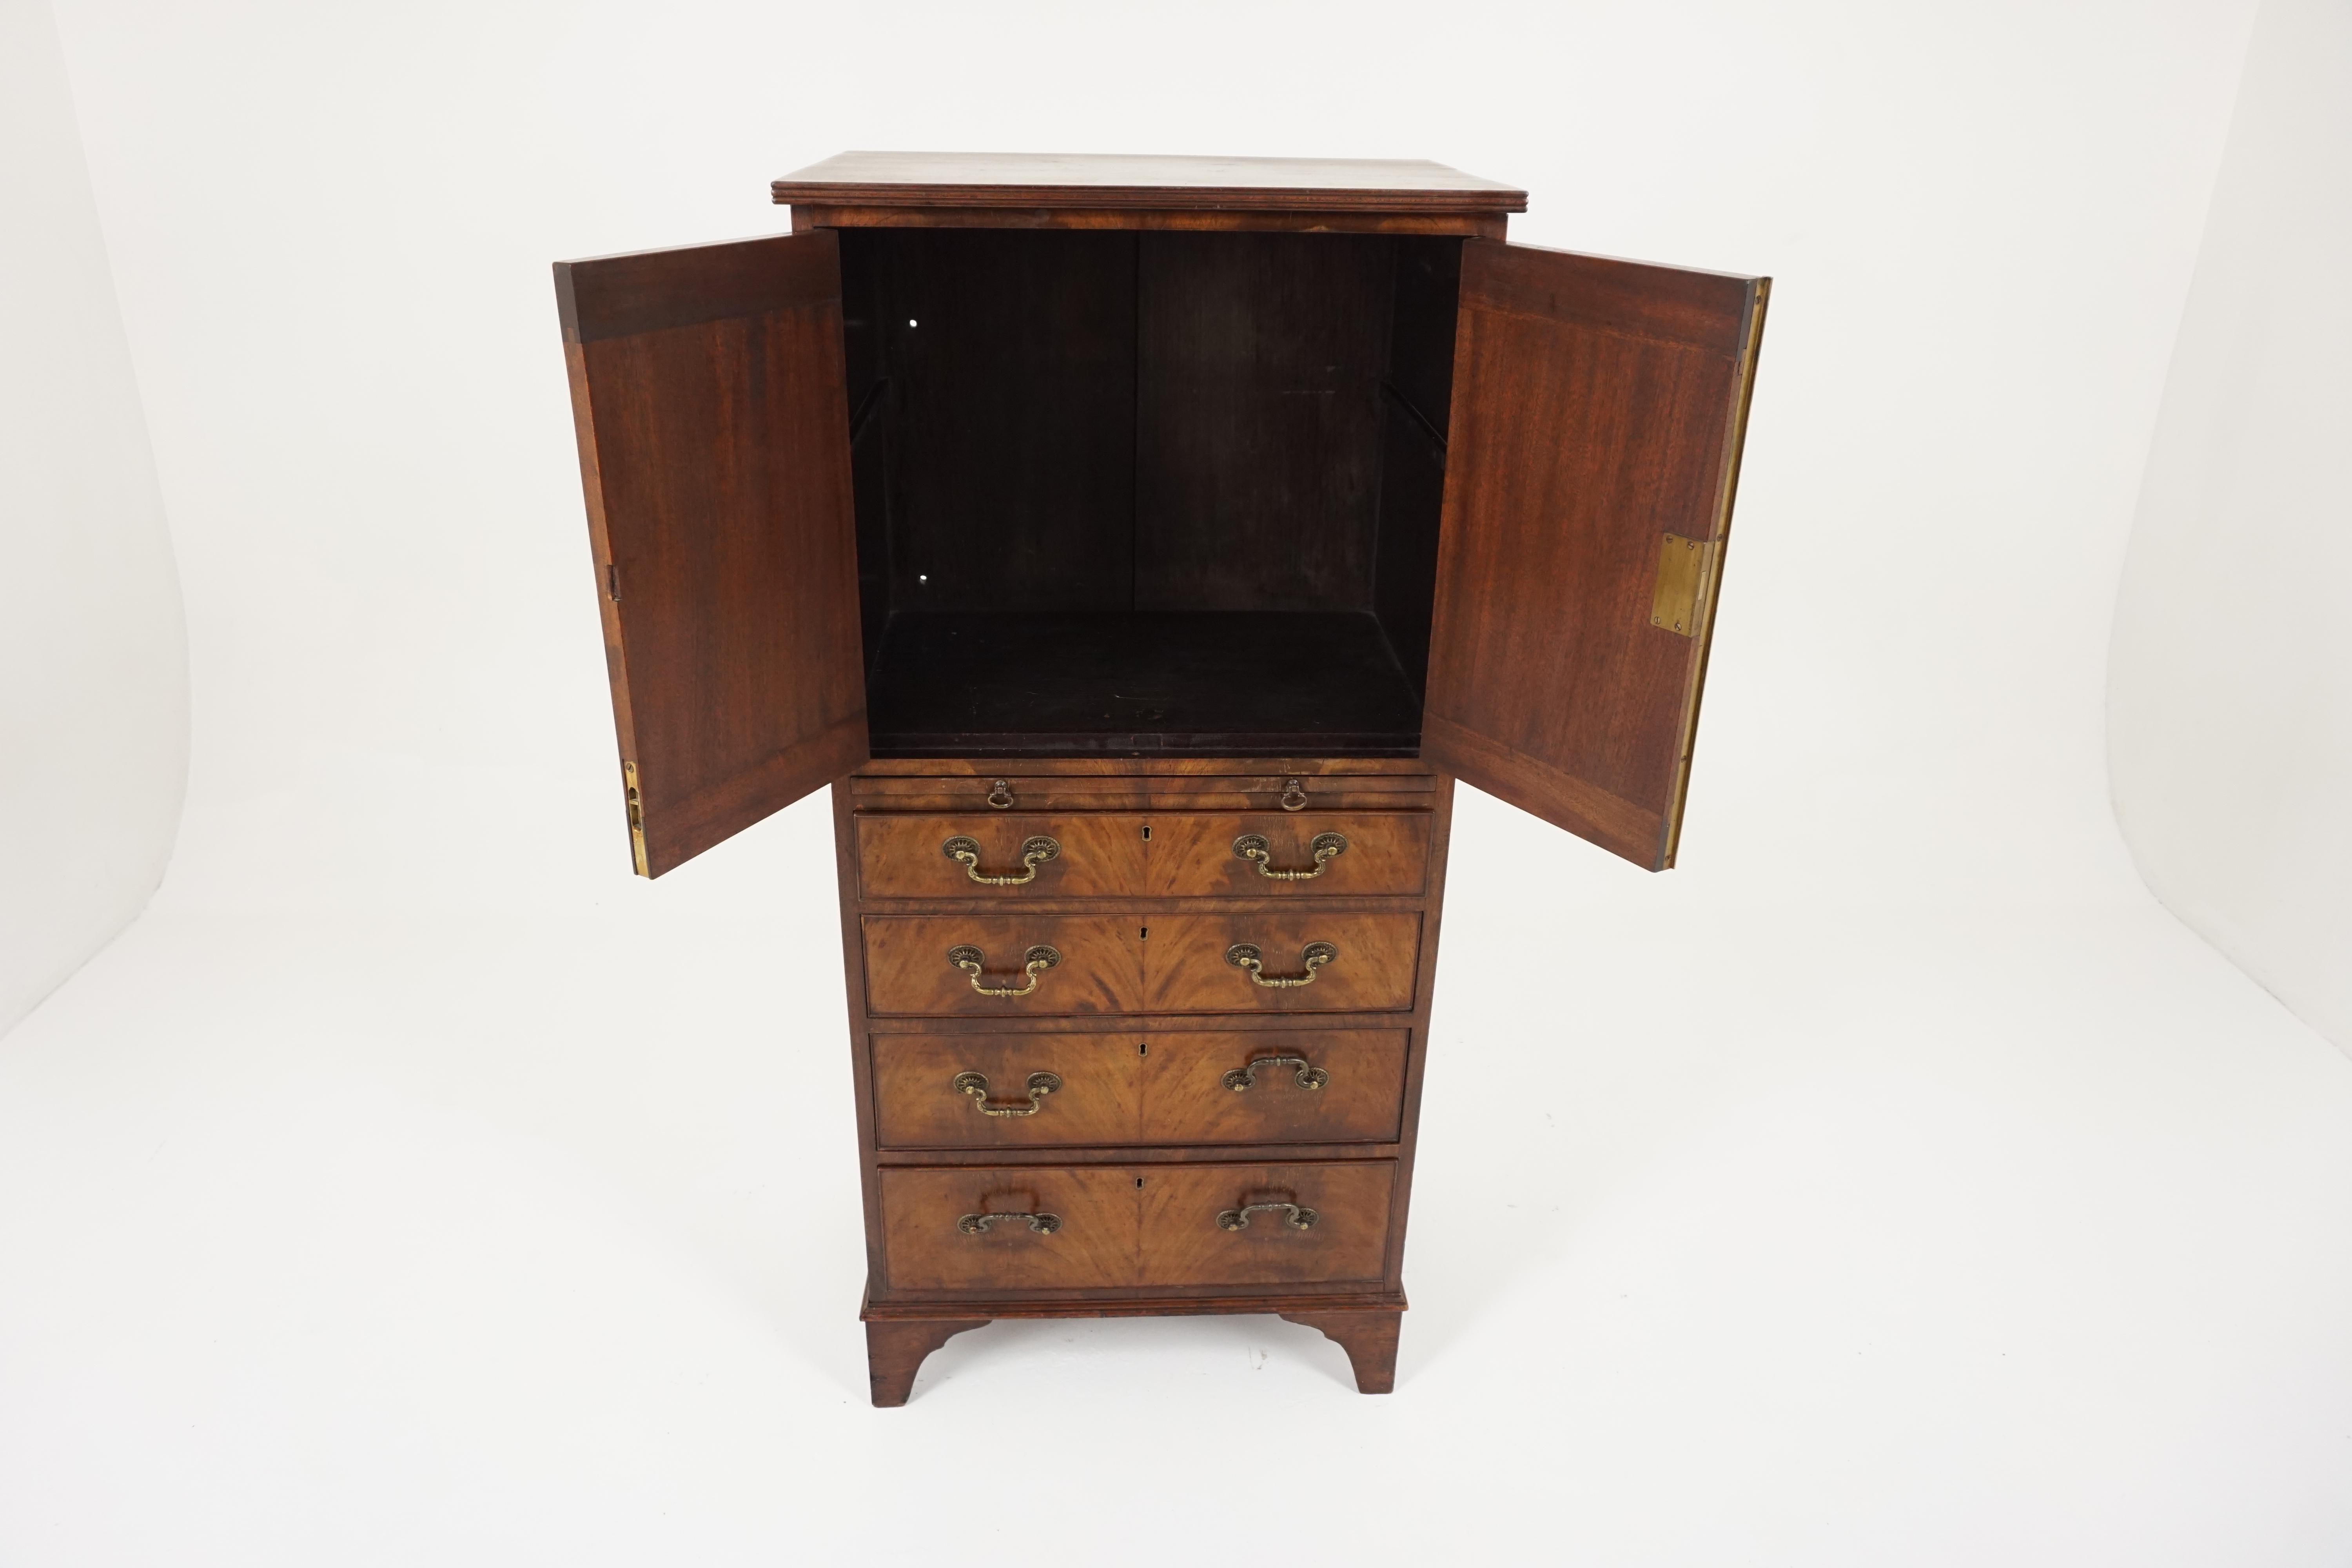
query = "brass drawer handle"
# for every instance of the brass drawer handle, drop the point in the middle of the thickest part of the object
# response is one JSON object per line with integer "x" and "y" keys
{"x": 1000, "y": 795}
{"x": 975, "y": 1084}
{"x": 1035, "y": 852}
{"x": 970, "y": 958}
{"x": 1246, "y": 955}
{"x": 1241, "y": 1078}
{"x": 977, "y": 1224}
{"x": 1253, "y": 846}
{"x": 1294, "y": 795}
{"x": 1294, "y": 1216}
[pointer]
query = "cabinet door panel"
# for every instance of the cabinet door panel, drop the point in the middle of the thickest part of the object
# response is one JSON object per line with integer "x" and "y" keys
{"x": 708, "y": 395}
{"x": 1599, "y": 407}
{"x": 1374, "y": 968}
{"x": 908, "y": 970}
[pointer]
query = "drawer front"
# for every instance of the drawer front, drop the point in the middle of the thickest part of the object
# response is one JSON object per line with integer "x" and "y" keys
{"x": 1185, "y": 1244}
{"x": 968, "y": 795}
{"x": 1106, "y": 1226}
{"x": 1374, "y": 966}
{"x": 909, "y": 969}
{"x": 1091, "y": 1245}
{"x": 1364, "y": 854}
{"x": 1088, "y": 855}
{"x": 1148, "y": 1086}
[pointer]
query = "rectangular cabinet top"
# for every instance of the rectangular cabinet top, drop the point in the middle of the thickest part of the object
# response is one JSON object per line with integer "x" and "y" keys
{"x": 1071, "y": 179}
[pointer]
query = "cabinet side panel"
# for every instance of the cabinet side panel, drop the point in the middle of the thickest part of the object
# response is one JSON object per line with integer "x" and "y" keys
{"x": 1418, "y": 398}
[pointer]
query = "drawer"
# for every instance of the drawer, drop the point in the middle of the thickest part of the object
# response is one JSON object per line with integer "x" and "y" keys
{"x": 1109, "y": 1226}
{"x": 1374, "y": 964}
{"x": 965, "y": 794}
{"x": 1098, "y": 965}
{"x": 1091, "y": 855}
{"x": 1364, "y": 854}
{"x": 1146, "y": 1087}
{"x": 1171, "y": 855}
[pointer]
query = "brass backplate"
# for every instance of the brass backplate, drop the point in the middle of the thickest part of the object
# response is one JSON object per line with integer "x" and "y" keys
{"x": 636, "y": 818}
{"x": 1675, "y": 603}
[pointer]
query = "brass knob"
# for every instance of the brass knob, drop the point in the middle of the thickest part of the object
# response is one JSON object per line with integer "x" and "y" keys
{"x": 1294, "y": 1216}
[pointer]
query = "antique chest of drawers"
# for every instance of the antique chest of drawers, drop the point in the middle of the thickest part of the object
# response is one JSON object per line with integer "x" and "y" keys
{"x": 1140, "y": 549}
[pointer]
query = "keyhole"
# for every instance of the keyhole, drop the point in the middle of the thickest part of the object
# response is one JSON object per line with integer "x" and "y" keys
{"x": 1139, "y": 1183}
{"x": 1147, "y": 827}
{"x": 1142, "y": 1047}
{"x": 1143, "y": 933}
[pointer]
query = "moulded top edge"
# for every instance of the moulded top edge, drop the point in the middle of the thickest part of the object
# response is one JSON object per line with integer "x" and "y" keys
{"x": 1119, "y": 180}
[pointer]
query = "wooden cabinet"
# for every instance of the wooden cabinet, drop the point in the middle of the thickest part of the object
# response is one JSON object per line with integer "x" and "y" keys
{"x": 1141, "y": 548}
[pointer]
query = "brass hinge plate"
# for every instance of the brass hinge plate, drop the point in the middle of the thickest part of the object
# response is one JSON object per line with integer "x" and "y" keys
{"x": 636, "y": 818}
{"x": 1677, "y": 602}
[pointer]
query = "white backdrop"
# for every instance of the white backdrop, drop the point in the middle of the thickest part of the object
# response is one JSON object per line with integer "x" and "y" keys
{"x": 94, "y": 709}
{"x": 2231, "y": 696}
{"x": 1893, "y": 1184}
{"x": 332, "y": 230}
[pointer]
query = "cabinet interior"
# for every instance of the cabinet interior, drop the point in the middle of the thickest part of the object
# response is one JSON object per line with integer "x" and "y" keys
{"x": 1126, "y": 492}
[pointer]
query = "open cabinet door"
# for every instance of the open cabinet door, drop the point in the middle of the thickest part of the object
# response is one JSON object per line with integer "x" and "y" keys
{"x": 709, "y": 391}
{"x": 1597, "y": 410}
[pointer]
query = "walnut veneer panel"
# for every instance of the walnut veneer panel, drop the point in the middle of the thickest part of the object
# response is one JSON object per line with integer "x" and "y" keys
{"x": 907, "y": 968}
{"x": 1375, "y": 970}
{"x": 1083, "y": 180}
{"x": 1100, "y": 855}
{"x": 1154, "y": 1086}
{"x": 1191, "y": 854}
{"x": 1131, "y": 1226}
{"x": 1182, "y": 1244}
{"x": 1096, "y": 1245}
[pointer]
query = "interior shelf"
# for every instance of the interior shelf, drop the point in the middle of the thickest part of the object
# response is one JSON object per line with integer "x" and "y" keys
{"x": 1230, "y": 683}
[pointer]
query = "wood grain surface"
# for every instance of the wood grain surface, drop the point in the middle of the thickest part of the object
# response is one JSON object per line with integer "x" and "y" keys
{"x": 708, "y": 394}
{"x": 1147, "y": 1085}
{"x": 906, "y": 970}
{"x": 1183, "y": 1246}
{"x": 1130, "y": 1226}
{"x": 1080, "y": 180}
{"x": 1597, "y": 408}
{"x": 1102, "y": 855}
{"x": 1190, "y": 854}
{"x": 1186, "y": 971}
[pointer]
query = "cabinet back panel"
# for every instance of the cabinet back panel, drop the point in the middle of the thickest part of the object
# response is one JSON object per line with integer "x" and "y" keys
{"x": 1146, "y": 423}
{"x": 1014, "y": 411}
{"x": 1258, "y": 419}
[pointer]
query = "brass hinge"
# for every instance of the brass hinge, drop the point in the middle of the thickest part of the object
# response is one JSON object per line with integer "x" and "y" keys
{"x": 636, "y": 818}
{"x": 1677, "y": 602}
